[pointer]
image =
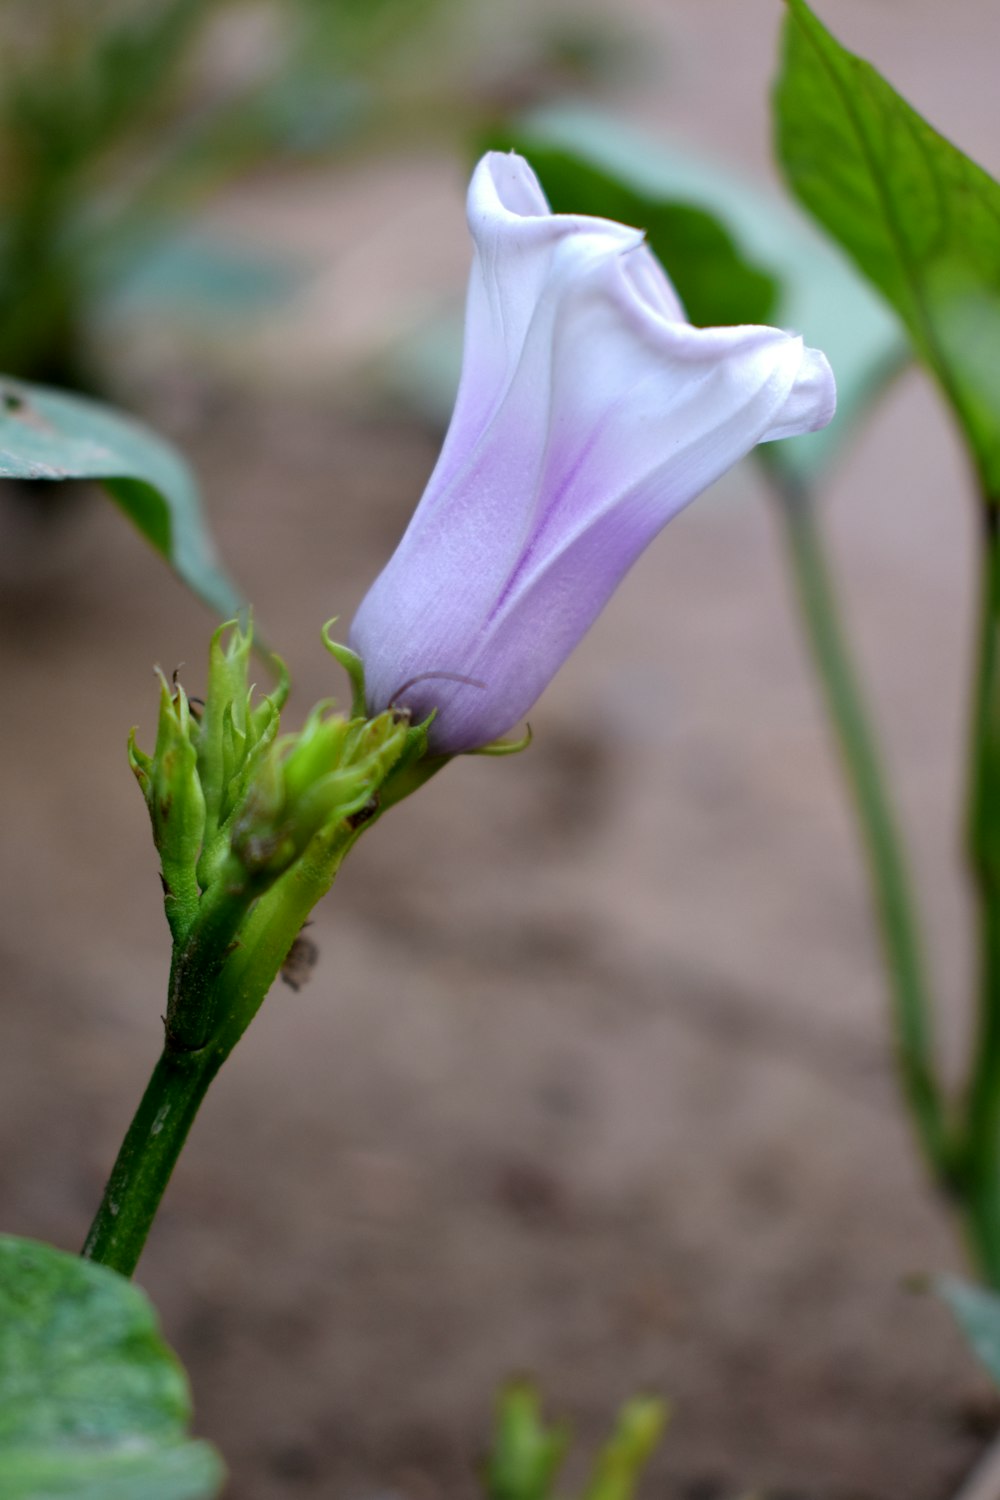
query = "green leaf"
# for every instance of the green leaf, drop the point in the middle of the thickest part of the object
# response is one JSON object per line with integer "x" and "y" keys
{"x": 977, "y": 1313}
{"x": 49, "y": 435}
{"x": 759, "y": 243}
{"x": 93, "y": 1405}
{"x": 918, "y": 217}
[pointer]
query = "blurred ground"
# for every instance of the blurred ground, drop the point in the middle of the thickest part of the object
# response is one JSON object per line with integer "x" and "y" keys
{"x": 592, "y": 1079}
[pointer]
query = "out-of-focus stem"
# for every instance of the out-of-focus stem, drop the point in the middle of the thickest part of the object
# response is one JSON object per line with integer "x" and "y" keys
{"x": 892, "y": 892}
{"x": 981, "y": 1132}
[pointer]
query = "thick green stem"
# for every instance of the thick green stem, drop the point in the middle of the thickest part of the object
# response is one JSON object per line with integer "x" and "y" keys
{"x": 148, "y": 1154}
{"x": 981, "y": 1154}
{"x": 890, "y": 881}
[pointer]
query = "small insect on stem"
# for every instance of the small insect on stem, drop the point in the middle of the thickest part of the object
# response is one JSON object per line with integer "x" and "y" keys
{"x": 432, "y": 677}
{"x": 300, "y": 961}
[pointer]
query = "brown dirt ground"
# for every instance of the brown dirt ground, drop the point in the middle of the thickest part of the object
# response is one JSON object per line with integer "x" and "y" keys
{"x": 593, "y": 1077}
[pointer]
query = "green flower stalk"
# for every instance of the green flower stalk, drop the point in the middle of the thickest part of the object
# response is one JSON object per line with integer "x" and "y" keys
{"x": 251, "y": 827}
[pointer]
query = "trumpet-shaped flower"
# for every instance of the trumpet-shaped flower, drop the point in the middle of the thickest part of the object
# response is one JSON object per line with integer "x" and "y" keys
{"x": 589, "y": 413}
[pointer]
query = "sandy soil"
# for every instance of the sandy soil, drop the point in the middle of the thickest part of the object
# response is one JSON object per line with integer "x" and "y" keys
{"x": 593, "y": 1076}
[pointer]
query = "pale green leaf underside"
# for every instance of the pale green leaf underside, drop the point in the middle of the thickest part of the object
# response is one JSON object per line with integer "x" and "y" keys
{"x": 919, "y": 218}
{"x": 93, "y": 1405}
{"x": 977, "y": 1313}
{"x": 51, "y": 435}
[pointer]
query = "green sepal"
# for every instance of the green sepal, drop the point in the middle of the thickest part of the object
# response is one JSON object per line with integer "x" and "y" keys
{"x": 228, "y": 656}
{"x": 505, "y": 747}
{"x": 278, "y": 696}
{"x": 352, "y": 665}
{"x": 413, "y": 769}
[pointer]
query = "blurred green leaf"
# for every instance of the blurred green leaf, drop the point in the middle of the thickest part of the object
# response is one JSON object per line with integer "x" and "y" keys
{"x": 977, "y": 1313}
{"x": 621, "y": 1461}
{"x": 93, "y": 1405}
{"x": 817, "y": 293}
{"x": 526, "y": 1454}
{"x": 48, "y": 435}
{"x": 918, "y": 217}
{"x": 203, "y": 275}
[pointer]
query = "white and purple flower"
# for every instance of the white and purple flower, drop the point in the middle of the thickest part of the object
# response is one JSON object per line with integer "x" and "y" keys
{"x": 589, "y": 413}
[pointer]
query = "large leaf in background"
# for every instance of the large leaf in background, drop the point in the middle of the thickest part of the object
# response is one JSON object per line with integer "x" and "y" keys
{"x": 977, "y": 1313}
{"x": 716, "y": 283}
{"x": 818, "y": 294}
{"x": 46, "y": 435}
{"x": 93, "y": 1405}
{"x": 921, "y": 220}
{"x": 199, "y": 274}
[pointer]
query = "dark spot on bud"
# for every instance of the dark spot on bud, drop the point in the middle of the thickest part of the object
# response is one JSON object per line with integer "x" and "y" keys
{"x": 364, "y": 814}
{"x": 166, "y": 803}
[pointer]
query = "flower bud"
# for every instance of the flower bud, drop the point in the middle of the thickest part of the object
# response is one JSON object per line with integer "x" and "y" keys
{"x": 326, "y": 774}
{"x": 234, "y": 737}
{"x": 589, "y": 413}
{"x": 172, "y": 789}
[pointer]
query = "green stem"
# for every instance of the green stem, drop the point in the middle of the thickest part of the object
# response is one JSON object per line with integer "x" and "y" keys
{"x": 205, "y": 993}
{"x": 198, "y": 961}
{"x": 890, "y": 881}
{"x": 981, "y": 1140}
{"x": 148, "y": 1154}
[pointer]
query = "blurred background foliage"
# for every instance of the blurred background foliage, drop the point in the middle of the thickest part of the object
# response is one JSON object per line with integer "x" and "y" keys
{"x": 119, "y": 119}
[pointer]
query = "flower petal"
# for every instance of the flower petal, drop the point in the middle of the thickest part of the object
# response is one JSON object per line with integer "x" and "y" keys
{"x": 589, "y": 413}
{"x": 557, "y": 599}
